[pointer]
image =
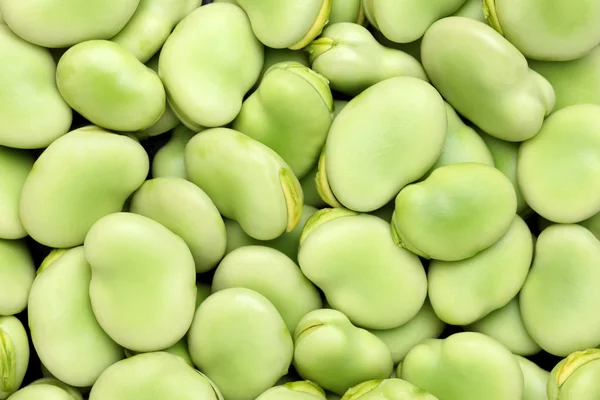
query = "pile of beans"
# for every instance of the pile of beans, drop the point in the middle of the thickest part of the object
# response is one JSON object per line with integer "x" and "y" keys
{"x": 299, "y": 199}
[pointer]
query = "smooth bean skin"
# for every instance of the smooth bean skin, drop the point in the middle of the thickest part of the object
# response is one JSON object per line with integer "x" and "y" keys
{"x": 159, "y": 376}
{"x": 385, "y": 138}
{"x": 535, "y": 380}
{"x": 303, "y": 390}
{"x": 347, "y": 11}
{"x": 404, "y": 21}
{"x": 255, "y": 186}
{"x": 42, "y": 391}
{"x": 16, "y": 276}
{"x": 400, "y": 340}
{"x": 66, "y": 336}
{"x": 75, "y": 394}
{"x": 374, "y": 293}
{"x": 143, "y": 280}
{"x": 495, "y": 90}
{"x": 272, "y": 274}
{"x": 309, "y": 182}
{"x": 547, "y": 30}
{"x": 17, "y": 164}
{"x": 576, "y": 377}
{"x": 187, "y": 211}
{"x": 352, "y": 60}
{"x": 310, "y": 191}
{"x": 506, "y": 157}
{"x": 32, "y": 112}
{"x": 325, "y": 340}
{"x": 120, "y": 93}
{"x": 574, "y": 82}
{"x": 14, "y": 355}
{"x": 290, "y": 112}
{"x": 412, "y": 48}
{"x": 287, "y": 23}
{"x": 151, "y": 24}
{"x": 460, "y": 210}
{"x": 391, "y": 389}
{"x": 55, "y": 24}
{"x": 204, "y": 93}
{"x": 169, "y": 159}
{"x": 559, "y": 169}
{"x": 465, "y": 291}
{"x": 243, "y": 327}
{"x": 454, "y": 369}
{"x": 471, "y": 9}
{"x": 167, "y": 121}
{"x": 83, "y": 176}
{"x": 288, "y": 243}
{"x": 462, "y": 144}
{"x": 179, "y": 349}
{"x": 506, "y": 326}
{"x": 276, "y": 56}
{"x": 558, "y": 300}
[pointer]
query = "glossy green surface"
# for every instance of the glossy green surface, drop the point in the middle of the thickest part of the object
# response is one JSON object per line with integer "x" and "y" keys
{"x": 143, "y": 280}
{"x": 255, "y": 186}
{"x": 575, "y": 82}
{"x": 169, "y": 159}
{"x": 17, "y": 164}
{"x": 241, "y": 326}
{"x": 64, "y": 330}
{"x": 120, "y": 93}
{"x": 42, "y": 391}
{"x": 547, "y": 29}
{"x": 495, "y": 90}
{"x": 75, "y": 394}
{"x": 506, "y": 326}
{"x": 385, "y": 138}
{"x": 471, "y": 9}
{"x": 325, "y": 341}
{"x": 559, "y": 169}
{"x": 32, "y": 112}
{"x": 151, "y": 24}
{"x": 14, "y": 355}
{"x": 347, "y": 11}
{"x": 352, "y": 60}
{"x": 167, "y": 121}
{"x": 465, "y": 291}
{"x": 83, "y": 176}
{"x": 389, "y": 389}
{"x": 336, "y": 254}
{"x": 576, "y": 377}
{"x": 16, "y": 276}
{"x": 51, "y": 23}
{"x": 465, "y": 366}
{"x": 187, "y": 211}
{"x": 288, "y": 243}
{"x": 462, "y": 144}
{"x": 535, "y": 380}
{"x": 210, "y": 94}
{"x": 400, "y": 340}
{"x": 303, "y": 390}
{"x": 404, "y": 21}
{"x": 272, "y": 274}
{"x": 286, "y": 23}
{"x": 290, "y": 112}
{"x": 505, "y": 156}
{"x": 157, "y": 376}
{"x": 559, "y": 298}
{"x": 458, "y": 211}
